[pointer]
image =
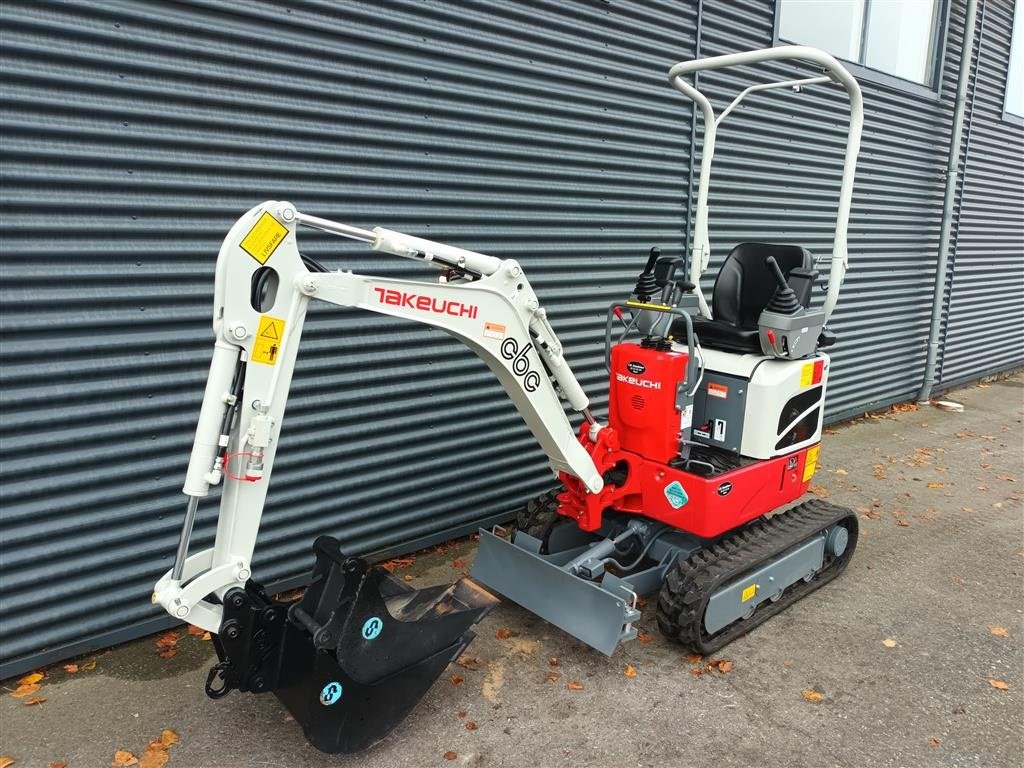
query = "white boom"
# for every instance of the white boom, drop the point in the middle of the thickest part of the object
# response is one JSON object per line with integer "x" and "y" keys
{"x": 263, "y": 288}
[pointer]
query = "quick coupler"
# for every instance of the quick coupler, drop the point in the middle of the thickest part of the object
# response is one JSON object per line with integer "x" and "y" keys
{"x": 354, "y": 655}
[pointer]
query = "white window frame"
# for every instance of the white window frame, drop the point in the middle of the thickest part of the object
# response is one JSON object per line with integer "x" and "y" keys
{"x": 864, "y": 72}
{"x": 1016, "y": 57}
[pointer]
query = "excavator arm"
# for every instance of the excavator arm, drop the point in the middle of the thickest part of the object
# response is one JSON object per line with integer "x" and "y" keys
{"x": 263, "y": 289}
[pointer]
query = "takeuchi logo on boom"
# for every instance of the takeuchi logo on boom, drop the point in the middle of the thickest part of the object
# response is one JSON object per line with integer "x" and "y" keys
{"x": 426, "y": 303}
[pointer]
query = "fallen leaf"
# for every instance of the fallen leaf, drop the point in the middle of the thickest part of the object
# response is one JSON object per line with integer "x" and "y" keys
{"x": 889, "y": 642}
{"x": 468, "y": 662}
{"x": 458, "y": 564}
{"x": 123, "y": 757}
{"x": 553, "y": 661}
{"x": 72, "y": 668}
{"x": 811, "y": 695}
{"x": 842, "y": 472}
{"x": 968, "y": 509}
{"x": 934, "y": 742}
{"x": 449, "y": 755}
{"x": 902, "y": 523}
{"x": 787, "y": 663}
{"x": 643, "y": 637}
{"x": 575, "y": 685}
{"x": 35, "y": 700}
{"x": 168, "y": 737}
{"x": 35, "y": 677}
{"x": 194, "y": 630}
{"x": 696, "y": 671}
{"x": 629, "y": 671}
{"x": 552, "y": 677}
{"x": 25, "y": 690}
{"x": 998, "y": 684}
{"x": 167, "y": 640}
{"x": 936, "y": 485}
{"x": 91, "y": 664}
{"x": 456, "y": 680}
{"x": 818, "y": 490}
{"x": 504, "y": 633}
{"x": 998, "y": 631}
{"x": 462, "y": 713}
{"x": 407, "y": 577}
{"x": 6, "y": 761}
{"x": 207, "y": 636}
{"x": 470, "y": 726}
{"x": 155, "y": 756}
{"x": 170, "y": 653}
{"x": 694, "y": 658}
{"x": 725, "y": 666}
{"x": 58, "y": 765}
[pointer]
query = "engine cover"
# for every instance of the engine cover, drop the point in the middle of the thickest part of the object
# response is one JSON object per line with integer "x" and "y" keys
{"x": 642, "y": 405}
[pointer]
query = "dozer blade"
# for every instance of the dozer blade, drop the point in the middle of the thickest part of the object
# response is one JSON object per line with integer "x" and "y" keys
{"x": 354, "y": 655}
{"x": 600, "y": 614}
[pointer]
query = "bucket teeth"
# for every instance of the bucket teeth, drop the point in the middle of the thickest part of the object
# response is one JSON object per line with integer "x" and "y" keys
{"x": 355, "y": 654}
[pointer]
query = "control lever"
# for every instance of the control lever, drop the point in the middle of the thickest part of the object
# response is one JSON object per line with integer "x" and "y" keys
{"x": 646, "y": 285}
{"x": 784, "y": 300}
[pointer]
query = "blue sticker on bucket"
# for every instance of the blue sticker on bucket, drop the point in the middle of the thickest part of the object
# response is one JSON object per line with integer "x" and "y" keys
{"x": 330, "y": 694}
{"x": 675, "y": 494}
{"x": 372, "y": 627}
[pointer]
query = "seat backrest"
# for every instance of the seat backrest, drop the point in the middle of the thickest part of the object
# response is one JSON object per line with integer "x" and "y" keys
{"x": 745, "y": 284}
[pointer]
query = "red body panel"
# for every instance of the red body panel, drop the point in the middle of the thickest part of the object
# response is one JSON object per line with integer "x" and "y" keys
{"x": 643, "y": 436}
{"x": 642, "y": 400}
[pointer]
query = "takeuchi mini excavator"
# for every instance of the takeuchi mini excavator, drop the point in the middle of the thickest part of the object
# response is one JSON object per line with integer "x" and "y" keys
{"x": 713, "y": 426}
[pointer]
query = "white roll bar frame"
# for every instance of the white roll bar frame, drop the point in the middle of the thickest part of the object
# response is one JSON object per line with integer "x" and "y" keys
{"x": 700, "y": 252}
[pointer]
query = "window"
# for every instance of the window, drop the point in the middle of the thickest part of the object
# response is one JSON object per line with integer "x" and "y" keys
{"x": 897, "y": 37}
{"x": 1013, "y": 105}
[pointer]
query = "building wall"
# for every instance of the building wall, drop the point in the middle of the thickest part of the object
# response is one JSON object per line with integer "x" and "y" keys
{"x": 135, "y": 133}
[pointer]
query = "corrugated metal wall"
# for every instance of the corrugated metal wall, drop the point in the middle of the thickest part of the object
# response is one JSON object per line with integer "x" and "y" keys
{"x": 984, "y": 330}
{"x": 135, "y": 133}
{"x": 778, "y": 164}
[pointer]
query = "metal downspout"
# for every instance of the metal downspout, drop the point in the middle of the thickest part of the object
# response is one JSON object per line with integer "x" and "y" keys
{"x": 966, "y": 54}
{"x": 693, "y": 143}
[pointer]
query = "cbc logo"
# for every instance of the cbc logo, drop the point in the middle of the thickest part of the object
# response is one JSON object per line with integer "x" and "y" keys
{"x": 521, "y": 363}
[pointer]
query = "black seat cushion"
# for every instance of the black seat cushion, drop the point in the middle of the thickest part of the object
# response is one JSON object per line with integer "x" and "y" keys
{"x": 743, "y": 288}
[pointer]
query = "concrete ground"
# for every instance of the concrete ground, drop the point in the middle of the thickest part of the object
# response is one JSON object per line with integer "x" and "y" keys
{"x": 896, "y": 663}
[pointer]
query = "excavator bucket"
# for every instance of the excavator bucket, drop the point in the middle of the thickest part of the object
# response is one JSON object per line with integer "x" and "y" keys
{"x": 354, "y": 655}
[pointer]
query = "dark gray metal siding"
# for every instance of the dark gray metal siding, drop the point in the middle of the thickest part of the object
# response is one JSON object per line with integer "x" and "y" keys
{"x": 985, "y": 326}
{"x": 135, "y": 133}
{"x": 778, "y": 163}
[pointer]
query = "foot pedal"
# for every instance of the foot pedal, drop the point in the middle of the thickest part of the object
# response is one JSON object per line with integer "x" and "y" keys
{"x": 351, "y": 658}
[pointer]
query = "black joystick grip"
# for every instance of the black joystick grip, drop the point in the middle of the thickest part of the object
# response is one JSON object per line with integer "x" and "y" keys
{"x": 784, "y": 300}
{"x": 647, "y": 283}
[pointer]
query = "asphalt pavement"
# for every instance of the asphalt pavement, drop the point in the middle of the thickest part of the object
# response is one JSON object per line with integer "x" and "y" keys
{"x": 913, "y": 657}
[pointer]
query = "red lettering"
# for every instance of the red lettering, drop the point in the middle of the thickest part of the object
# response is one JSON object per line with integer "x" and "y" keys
{"x": 425, "y": 303}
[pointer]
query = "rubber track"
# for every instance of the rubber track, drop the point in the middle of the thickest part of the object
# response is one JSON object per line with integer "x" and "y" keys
{"x": 539, "y": 514}
{"x": 691, "y": 583}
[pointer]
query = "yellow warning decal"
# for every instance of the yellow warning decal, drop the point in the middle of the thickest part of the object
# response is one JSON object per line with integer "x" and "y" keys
{"x": 748, "y": 593}
{"x": 807, "y": 375}
{"x": 811, "y": 462}
{"x": 643, "y": 305}
{"x": 267, "y": 347}
{"x": 264, "y": 237}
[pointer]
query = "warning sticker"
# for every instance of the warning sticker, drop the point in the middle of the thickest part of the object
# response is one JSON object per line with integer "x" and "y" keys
{"x": 807, "y": 375}
{"x": 267, "y": 346}
{"x": 811, "y": 462}
{"x": 676, "y": 494}
{"x": 748, "y": 593}
{"x": 718, "y": 390}
{"x": 263, "y": 238}
{"x": 494, "y": 331}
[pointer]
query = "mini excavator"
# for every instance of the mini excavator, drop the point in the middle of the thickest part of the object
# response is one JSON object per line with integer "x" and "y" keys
{"x": 713, "y": 426}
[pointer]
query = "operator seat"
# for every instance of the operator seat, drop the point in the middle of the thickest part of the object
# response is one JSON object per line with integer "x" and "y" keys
{"x": 743, "y": 288}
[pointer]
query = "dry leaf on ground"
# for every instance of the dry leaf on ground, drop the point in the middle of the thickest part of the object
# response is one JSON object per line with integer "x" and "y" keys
{"x": 123, "y": 757}
{"x": 167, "y": 640}
{"x": 34, "y": 677}
{"x": 889, "y": 642}
{"x": 71, "y": 668}
{"x": 456, "y": 680}
{"x": 552, "y": 677}
{"x": 468, "y": 662}
{"x": 407, "y": 577}
{"x": 936, "y": 485}
{"x": 643, "y": 637}
{"x": 998, "y": 684}
{"x": 449, "y": 755}
{"x": 629, "y": 671}
{"x": 6, "y": 761}
{"x": 818, "y": 490}
{"x": 998, "y": 631}
{"x": 694, "y": 658}
{"x": 934, "y": 742}
{"x": 470, "y": 726}
{"x": 170, "y": 653}
{"x": 575, "y": 685}
{"x": 58, "y": 765}
{"x": 504, "y": 633}
{"x": 462, "y": 713}
{"x": 725, "y": 666}
{"x": 194, "y": 630}
{"x": 35, "y": 700}
{"x": 553, "y": 661}
{"x": 25, "y": 690}
{"x": 811, "y": 695}
{"x": 91, "y": 664}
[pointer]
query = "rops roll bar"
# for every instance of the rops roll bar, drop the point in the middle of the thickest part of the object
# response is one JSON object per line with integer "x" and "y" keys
{"x": 834, "y": 72}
